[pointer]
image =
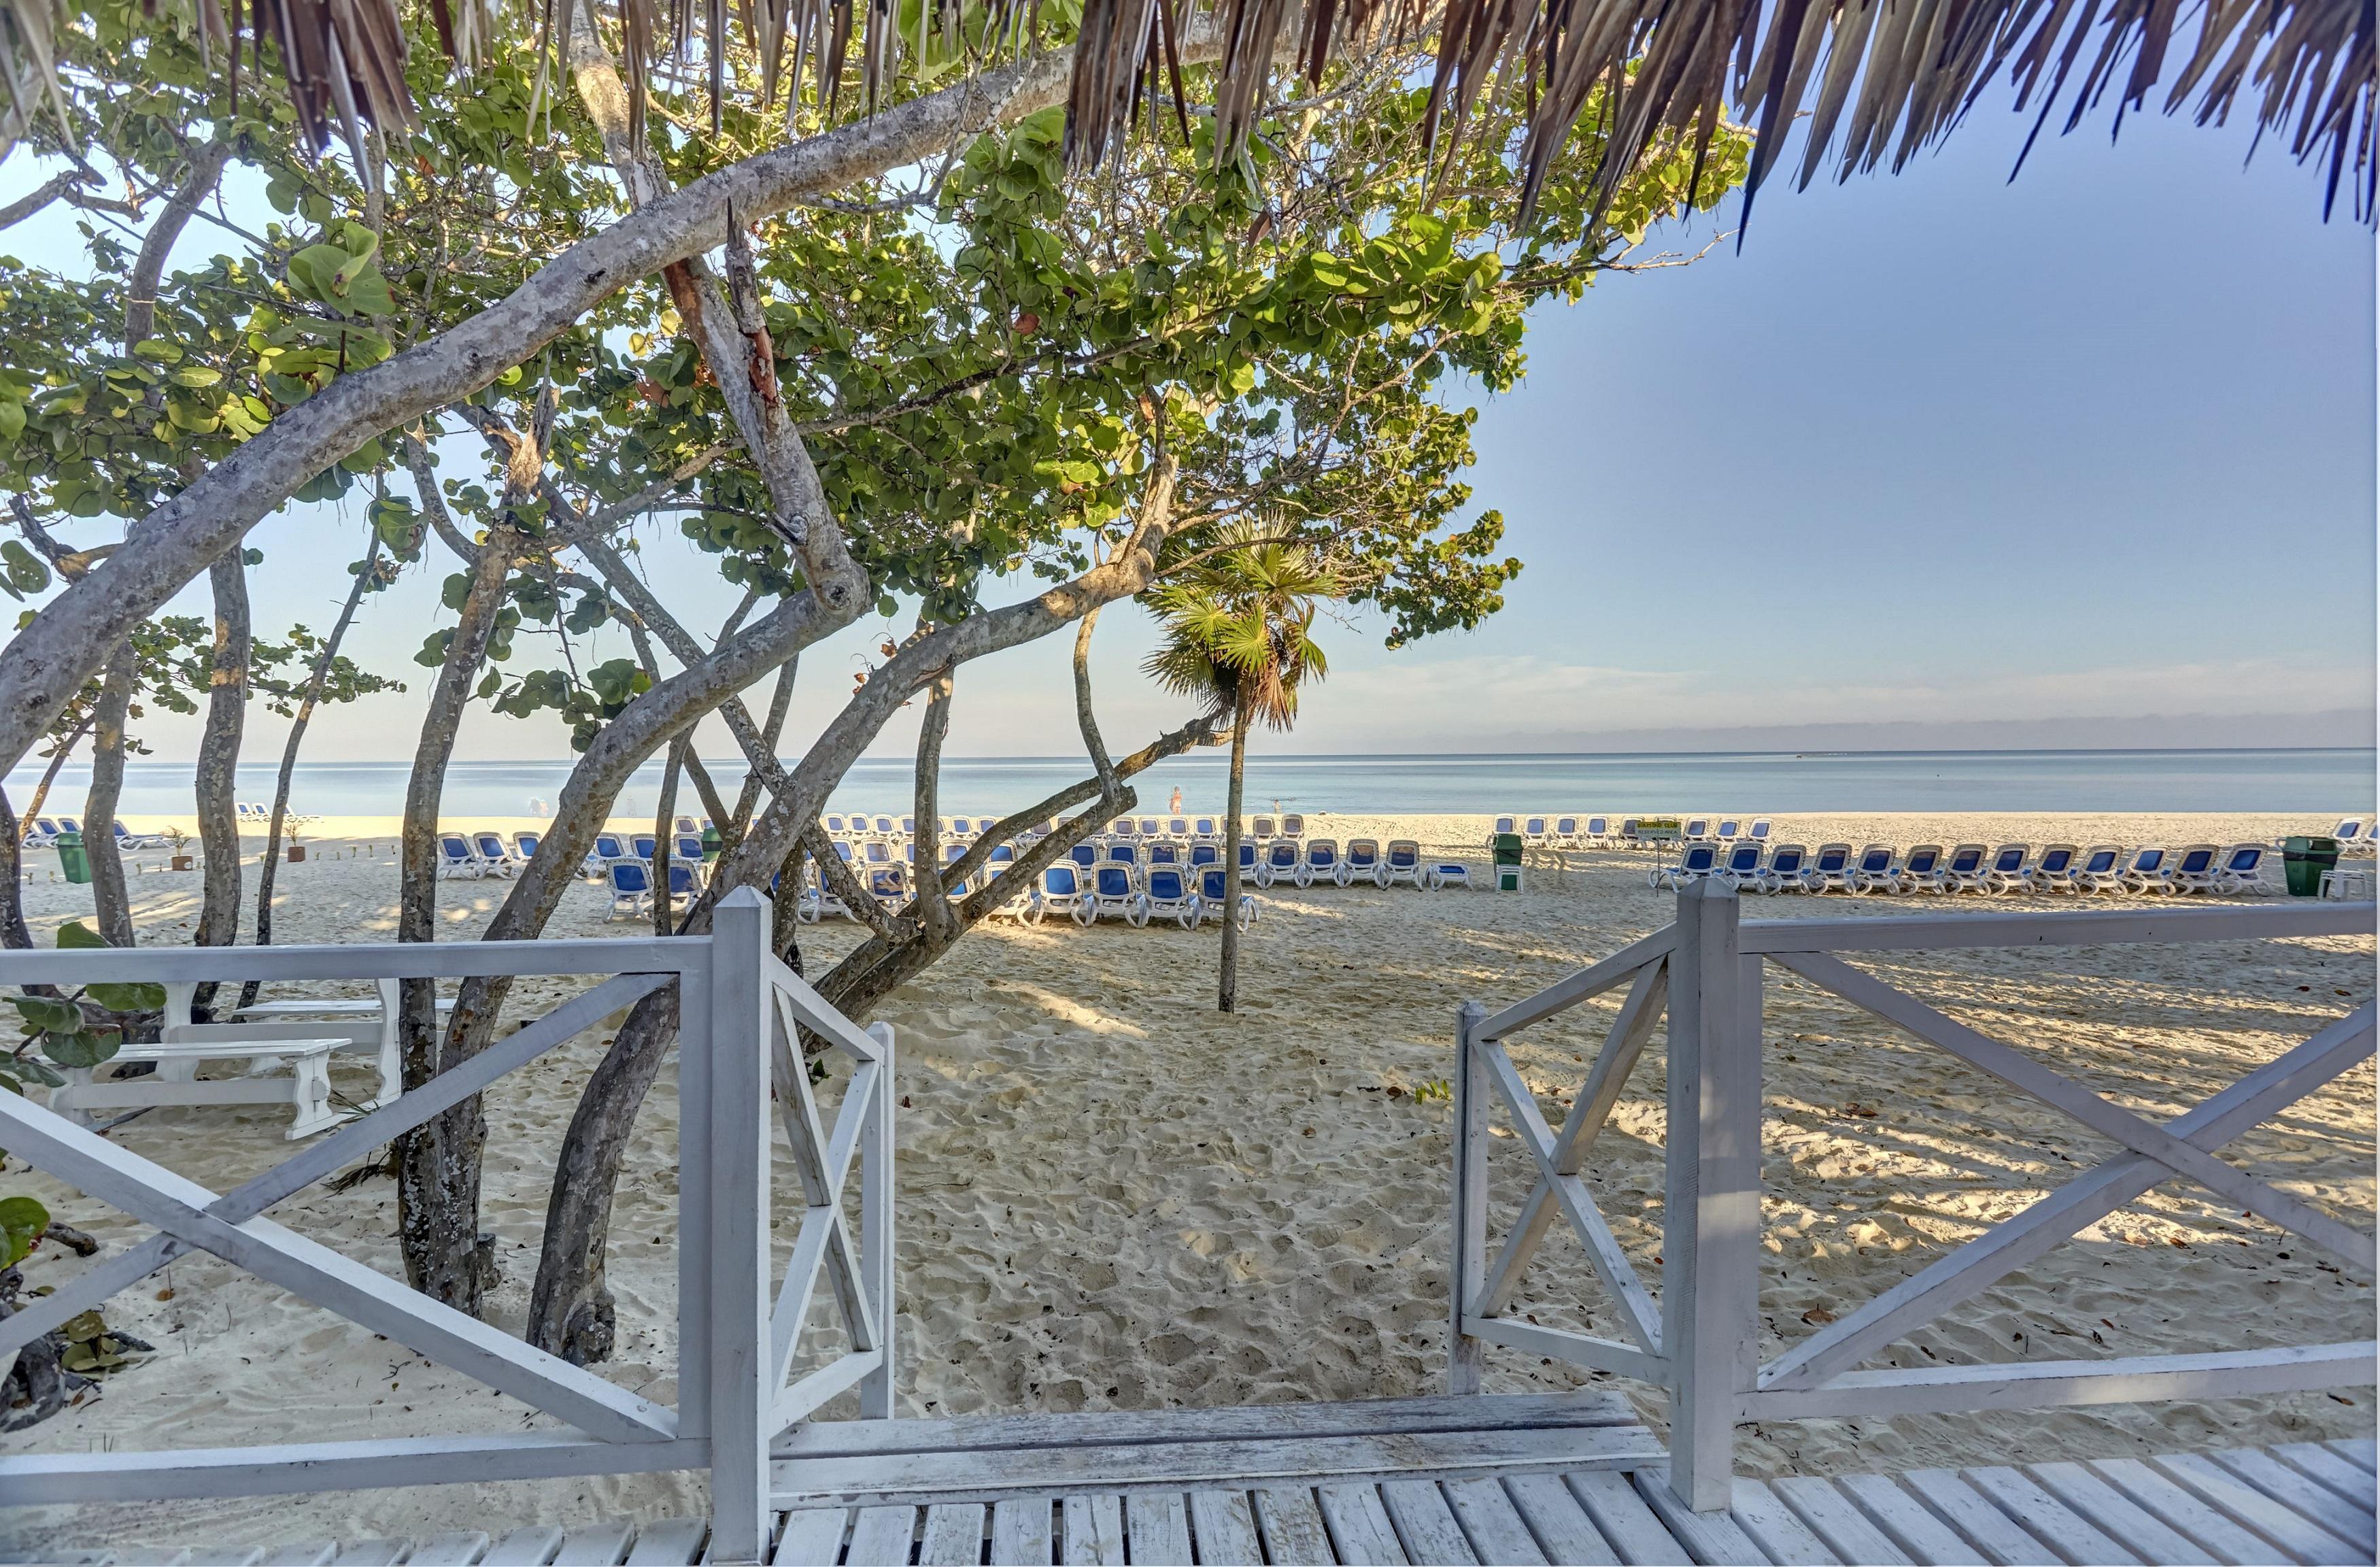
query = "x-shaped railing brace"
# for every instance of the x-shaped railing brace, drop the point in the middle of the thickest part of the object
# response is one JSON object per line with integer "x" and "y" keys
{"x": 230, "y": 1225}
{"x": 2182, "y": 1146}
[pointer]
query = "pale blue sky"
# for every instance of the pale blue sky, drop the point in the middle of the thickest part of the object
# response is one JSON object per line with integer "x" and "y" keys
{"x": 1933, "y": 448}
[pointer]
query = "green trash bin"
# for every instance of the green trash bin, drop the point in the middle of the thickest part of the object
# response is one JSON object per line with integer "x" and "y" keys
{"x": 709, "y": 845}
{"x": 1508, "y": 862}
{"x": 2302, "y": 862}
{"x": 76, "y": 864}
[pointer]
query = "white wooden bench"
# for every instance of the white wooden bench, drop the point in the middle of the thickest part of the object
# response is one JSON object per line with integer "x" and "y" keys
{"x": 304, "y": 1087}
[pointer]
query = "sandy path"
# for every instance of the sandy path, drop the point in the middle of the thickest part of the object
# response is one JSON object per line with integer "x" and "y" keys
{"x": 1112, "y": 1196}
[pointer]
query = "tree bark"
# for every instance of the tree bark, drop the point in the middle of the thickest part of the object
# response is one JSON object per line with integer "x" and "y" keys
{"x": 215, "y": 784}
{"x": 110, "y": 899}
{"x": 14, "y": 933}
{"x": 50, "y": 773}
{"x": 315, "y": 680}
{"x": 438, "y": 1162}
{"x": 1227, "y": 985}
{"x": 664, "y": 829}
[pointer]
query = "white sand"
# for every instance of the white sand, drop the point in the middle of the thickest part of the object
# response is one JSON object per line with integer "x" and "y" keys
{"x": 1112, "y": 1196}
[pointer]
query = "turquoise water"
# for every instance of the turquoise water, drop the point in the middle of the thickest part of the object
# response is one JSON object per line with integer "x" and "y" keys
{"x": 2313, "y": 780}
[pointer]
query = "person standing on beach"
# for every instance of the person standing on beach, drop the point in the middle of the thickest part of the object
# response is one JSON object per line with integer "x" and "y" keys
{"x": 1176, "y": 808}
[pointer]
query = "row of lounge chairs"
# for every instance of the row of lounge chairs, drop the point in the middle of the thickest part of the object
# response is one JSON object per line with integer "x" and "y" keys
{"x": 862, "y": 828}
{"x": 1973, "y": 868}
{"x": 44, "y": 833}
{"x": 1585, "y": 832}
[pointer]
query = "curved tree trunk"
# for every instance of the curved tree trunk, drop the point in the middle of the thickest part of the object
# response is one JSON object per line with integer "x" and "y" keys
{"x": 438, "y": 1162}
{"x": 111, "y": 902}
{"x": 305, "y": 715}
{"x": 215, "y": 784}
{"x": 12, "y": 930}
{"x": 1227, "y": 985}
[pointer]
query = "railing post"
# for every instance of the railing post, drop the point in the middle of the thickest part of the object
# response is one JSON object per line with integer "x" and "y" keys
{"x": 876, "y": 1229}
{"x": 1464, "y": 1353}
{"x": 1711, "y": 1241}
{"x": 737, "y": 1354}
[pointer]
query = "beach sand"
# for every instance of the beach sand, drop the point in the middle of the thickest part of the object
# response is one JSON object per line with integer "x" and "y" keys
{"x": 1112, "y": 1196}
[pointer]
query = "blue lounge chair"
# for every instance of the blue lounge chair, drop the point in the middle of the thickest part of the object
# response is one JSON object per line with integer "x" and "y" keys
{"x": 1213, "y": 896}
{"x": 494, "y": 853}
{"x": 1401, "y": 866}
{"x": 1321, "y": 863}
{"x": 2055, "y": 871}
{"x": 1363, "y": 864}
{"x": 1963, "y": 871}
{"x": 457, "y": 857}
{"x": 1060, "y": 893}
{"x": 1874, "y": 870}
{"x": 2241, "y": 870}
{"x": 1113, "y": 893}
{"x": 632, "y": 888}
{"x": 2148, "y": 872}
{"x": 1787, "y": 870}
{"x": 1170, "y": 897}
{"x": 1740, "y": 867}
{"x": 1923, "y": 872}
{"x": 1279, "y": 863}
{"x": 1698, "y": 861}
{"x": 1831, "y": 868}
{"x": 2101, "y": 870}
{"x": 2008, "y": 872}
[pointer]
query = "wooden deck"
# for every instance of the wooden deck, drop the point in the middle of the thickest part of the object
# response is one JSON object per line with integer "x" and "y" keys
{"x": 1553, "y": 1479}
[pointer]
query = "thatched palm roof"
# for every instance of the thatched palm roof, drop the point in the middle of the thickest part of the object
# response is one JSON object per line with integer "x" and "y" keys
{"x": 1876, "y": 80}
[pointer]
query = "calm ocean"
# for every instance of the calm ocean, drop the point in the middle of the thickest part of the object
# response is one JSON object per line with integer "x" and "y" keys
{"x": 2313, "y": 780}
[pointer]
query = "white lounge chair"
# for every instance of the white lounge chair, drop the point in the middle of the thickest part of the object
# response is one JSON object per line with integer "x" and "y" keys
{"x": 1787, "y": 870}
{"x": 2240, "y": 870}
{"x": 2194, "y": 868}
{"x": 1213, "y": 895}
{"x": 2150, "y": 871}
{"x": 1740, "y": 867}
{"x": 1363, "y": 863}
{"x": 1830, "y": 869}
{"x": 1260, "y": 828}
{"x": 1874, "y": 870}
{"x": 1280, "y": 862}
{"x": 494, "y": 853}
{"x": 1564, "y": 833}
{"x": 456, "y": 858}
{"x": 642, "y": 844}
{"x": 1965, "y": 870}
{"x": 1596, "y": 833}
{"x": 1923, "y": 870}
{"x": 1534, "y": 832}
{"x": 1321, "y": 863}
{"x": 1177, "y": 828}
{"x": 2007, "y": 871}
{"x": 1205, "y": 828}
{"x": 1758, "y": 830}
{"x": 525, "y": 846}
{"x": 1292, "y": 825}
{"x": 1698, "y": 861}
{"x": 1401, "y": 866}
{"x": 1730, "y": 829}
{"x": 1170, "y": 897}
{"x": 2058, "y": 869}
{"x": 632, "y": 888}
{"x": 1501, "y": 826}
{"x": 1113, "y": 893}
{"x": 127, "y": 839}
{"x": 2100, "y": 869}
{"x": 1694, "y": 828}
{"x": 1060, "y": 891}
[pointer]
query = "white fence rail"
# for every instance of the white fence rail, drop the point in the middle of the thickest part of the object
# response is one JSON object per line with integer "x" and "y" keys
{"x": 1699, "y": 1340}
{"x": 741, "y": 1078}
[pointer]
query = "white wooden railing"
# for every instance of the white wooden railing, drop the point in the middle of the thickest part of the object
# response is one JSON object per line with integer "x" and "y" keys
{"x": 739, "y": 1325}
{"x": 1699, "y": 1339}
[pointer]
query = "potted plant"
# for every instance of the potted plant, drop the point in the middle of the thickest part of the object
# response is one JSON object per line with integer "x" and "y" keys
{"x": 181, "y": 842}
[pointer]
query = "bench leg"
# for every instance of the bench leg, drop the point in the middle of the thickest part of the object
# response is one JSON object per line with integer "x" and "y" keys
{"x": 309, "y": 1091}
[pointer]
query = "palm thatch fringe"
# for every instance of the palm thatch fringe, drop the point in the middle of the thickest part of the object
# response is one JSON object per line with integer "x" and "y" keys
{"x": 1876, "y": 80}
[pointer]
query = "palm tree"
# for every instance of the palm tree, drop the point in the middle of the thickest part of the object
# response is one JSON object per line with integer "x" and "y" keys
{"x": 1239, "y": 635}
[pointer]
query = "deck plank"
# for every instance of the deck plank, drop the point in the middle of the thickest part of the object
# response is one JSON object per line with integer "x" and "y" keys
{"x": 1706, "y": 1536}
{"x": 362, "y": 1553}
{"x": 1626, "y": 1520}
{"x": 1157, "y": 1529}
{"x": 954, "y": 1536}
{"x": 1835, "y": 1518}
{"x": 880, "y": 1537}
{"x": 2285, "y": 1486}
{"x": 2289, "y": 1531}
{"x": 1223, "y": 1527}
{"x": 1909, "y": 1523}
{"x": 1094, "y": 1531}
{"x": 1294, "y": 1534}
{"x": 1425, "y": 1526}
{"x": 1564, "y": 1531}
{"x": 2125, "y": 1520}
{"x": 2317, "y": 1463}
{"x": 532, "y": 1547}
{"x": 2003, "y": 1541}
{"x": 987, "y": 1473}
{"x": 811, "y": 1538}
{"x": 2361, "y": 1451}
{"x": 462, "y": 1547}
{"x": 1360, "y": 1530}
{"x": 669, "y": 1542}
{"x": 1494, "y": 1526}
{"x": 1021, "y": 1533}
{"x": 598, "y": 1545}
{"x": 1099, "y": 1427}
{"x": 153, "y": 1556}
{"x": 307, "y": 1553}
{"x": 2074, "y": 1538}
{"x": 1776, "y": 1529}
{"x": 2163, "y": 1498}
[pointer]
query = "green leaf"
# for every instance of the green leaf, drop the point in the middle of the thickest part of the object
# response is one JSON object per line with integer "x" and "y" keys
{"x": 47, "y": 1013}
{"x": 135, "y": 996}
{"x": 75, "y": 936}
{"x": 12, "y": 419}
{"x": 84, "y": 1048}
